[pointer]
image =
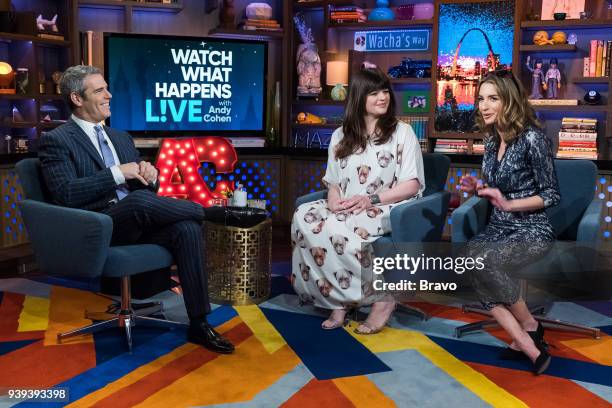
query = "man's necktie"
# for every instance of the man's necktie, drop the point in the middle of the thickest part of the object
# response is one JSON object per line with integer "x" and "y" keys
{"x": 109, "y": 161}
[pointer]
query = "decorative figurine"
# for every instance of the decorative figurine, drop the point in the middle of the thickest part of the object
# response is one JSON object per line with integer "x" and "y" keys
{"x": 552, "y": 80}
{"x": 56, "y": 76}
{"x": 308, "y": 60}
{"x": 537, "y": 78}
{"x": 559, "y": 37}
{"x": 541, "y": 38}
{"x": 22, "y": 80}
{"x": 228, "y": 14}
{"x": 46, "y": 25}
{"x": 572, "y": 39}
{"x": 381, "y": 12}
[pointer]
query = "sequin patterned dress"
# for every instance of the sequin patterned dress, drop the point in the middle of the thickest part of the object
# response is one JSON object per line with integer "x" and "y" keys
{"x": 330, "y": 269}
{"x": 511, "y": 239}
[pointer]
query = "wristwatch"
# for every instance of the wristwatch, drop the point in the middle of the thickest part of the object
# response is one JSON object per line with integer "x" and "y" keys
{"x": 374, "y": 199}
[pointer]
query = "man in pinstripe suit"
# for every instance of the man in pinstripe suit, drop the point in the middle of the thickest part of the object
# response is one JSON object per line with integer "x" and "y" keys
{"x": 93, "y": 167}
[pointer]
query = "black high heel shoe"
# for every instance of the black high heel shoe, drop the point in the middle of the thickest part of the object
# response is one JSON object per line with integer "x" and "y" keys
{"x": 542, "y": 362}
{"x": 538, "y": 338}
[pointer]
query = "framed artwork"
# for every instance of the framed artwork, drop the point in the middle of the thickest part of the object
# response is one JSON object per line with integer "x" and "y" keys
{"x": 572, "y": 8}
{"x": 477, "y": 38}
{"x": 415, "y": 101}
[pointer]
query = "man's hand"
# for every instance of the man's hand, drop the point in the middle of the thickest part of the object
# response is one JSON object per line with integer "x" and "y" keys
{"x": 132, "y": 171}
{"x": 148, "y": 172}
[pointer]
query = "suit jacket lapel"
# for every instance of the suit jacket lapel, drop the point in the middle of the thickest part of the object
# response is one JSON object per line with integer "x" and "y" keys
{"x": 85, "y": 141}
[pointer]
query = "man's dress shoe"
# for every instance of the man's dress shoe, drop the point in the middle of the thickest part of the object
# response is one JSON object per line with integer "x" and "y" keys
{"x": 206, "y": 336}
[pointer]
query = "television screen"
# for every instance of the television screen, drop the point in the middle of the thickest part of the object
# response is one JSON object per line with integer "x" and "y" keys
{"x": 165, "y": 83}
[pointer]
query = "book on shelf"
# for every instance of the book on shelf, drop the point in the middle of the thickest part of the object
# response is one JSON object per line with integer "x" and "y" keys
{"x": 578, "y": 138}
{"x": 51, "y": 36}
{"x": 593, "y": 58}
{"x": 598, "y": 60}
{"x": 451, "y": 146}
{"x": 420, "y": 125}
{"x": 553, "y": 102}
{"x": 247, "y": 141}
{"x": 141, "y": 142}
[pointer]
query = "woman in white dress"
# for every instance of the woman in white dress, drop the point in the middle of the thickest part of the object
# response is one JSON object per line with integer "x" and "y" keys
{"x": 374, "y": 163}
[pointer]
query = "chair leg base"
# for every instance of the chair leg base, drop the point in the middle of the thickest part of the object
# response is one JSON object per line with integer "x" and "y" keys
{"x": 126, "y": 319}
{"x": 539, "y": 313}
{"x": 413, "y": 311}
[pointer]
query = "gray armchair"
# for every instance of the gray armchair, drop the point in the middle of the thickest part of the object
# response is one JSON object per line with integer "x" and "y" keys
{"x": 74, "y": 243}
{"x": 575, "y": 218}
{"x": 420, "y": 220}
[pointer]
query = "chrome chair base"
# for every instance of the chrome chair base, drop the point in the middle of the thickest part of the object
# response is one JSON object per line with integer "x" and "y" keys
{"x": 539, "y": 313}
{"x": 125, "y": 317}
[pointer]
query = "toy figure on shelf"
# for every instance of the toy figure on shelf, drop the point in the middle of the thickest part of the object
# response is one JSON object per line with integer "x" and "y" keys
{"x": 537, "y": 78}
{"x": 308, "y": 60}
{"x": 46, "y": 25}
{"x": 552, "y": 80}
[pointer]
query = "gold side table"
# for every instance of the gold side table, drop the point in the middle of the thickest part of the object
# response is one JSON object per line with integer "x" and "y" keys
{"x": 238, "y": 261}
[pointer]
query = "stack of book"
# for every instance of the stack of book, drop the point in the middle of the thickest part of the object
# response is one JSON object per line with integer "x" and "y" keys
{"x": 478, "y": 147}
{"x": 268, "y": 25}
{"x": 455, "y": 146}
{"x": 597, "y": 64}
{"x": 247, "y": 141}
{"x": 420, "y": 125}
{"x": 346, "y": 14}
{"x": 578, "y": 138}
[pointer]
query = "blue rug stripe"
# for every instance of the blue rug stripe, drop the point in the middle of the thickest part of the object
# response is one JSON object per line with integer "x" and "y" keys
{"x": 10, "y": 346}
{"x": 328, "y": 354}
{"x": 142, "y": 354}
{"x": 560, "y": 367}
{"x": 603, "y": 307}
{"x": 607, "y": 330}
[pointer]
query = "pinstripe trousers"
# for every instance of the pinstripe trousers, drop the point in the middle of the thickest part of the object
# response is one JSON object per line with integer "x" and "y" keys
{"x": 144, "y": 217}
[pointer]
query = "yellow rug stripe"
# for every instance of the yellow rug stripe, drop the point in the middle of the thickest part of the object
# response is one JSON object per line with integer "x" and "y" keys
{"x": 67, "y": 312}
{"x": 145, "y": 370}
{"x": 34, "y": 315}
{"x": 596, "y": 350}
{"x": 391, "y": 339}
{"x": 362, "y": 392}
{"x": 250, "y": 366}
{"x": 253, "y": 317}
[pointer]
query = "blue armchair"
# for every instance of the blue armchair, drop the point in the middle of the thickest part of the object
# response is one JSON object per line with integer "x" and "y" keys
{"x": 420, "y": 220}
{"x": 575, "y": 218}
{"x": 74, "y": 243}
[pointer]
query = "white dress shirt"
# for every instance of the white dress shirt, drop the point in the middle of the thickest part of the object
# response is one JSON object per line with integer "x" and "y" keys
{"x": 88, "y": 128}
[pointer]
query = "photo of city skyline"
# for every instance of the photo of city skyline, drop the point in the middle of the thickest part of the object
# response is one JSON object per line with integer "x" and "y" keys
{"x": 477, "y": 38}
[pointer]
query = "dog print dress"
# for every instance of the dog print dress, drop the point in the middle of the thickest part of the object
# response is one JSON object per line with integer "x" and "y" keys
{"x": 330, "y": 270}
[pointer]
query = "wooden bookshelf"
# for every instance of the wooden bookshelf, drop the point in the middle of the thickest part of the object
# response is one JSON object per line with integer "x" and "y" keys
{"x": 247, "y": 34}
{"x": 548, "y": 48}
{"x": 135, "y": 5}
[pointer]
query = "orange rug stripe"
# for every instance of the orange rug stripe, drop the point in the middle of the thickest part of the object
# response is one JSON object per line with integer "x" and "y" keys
{"x": 40, "y": 366}
{"x": 10, "y": 310}
{"x": 540, "y": 391}
{"x": 447, "y": 312}
{"x": 139, "y": 391}
{"x": 362, "y": 392}
{"x": 318, "y": 393}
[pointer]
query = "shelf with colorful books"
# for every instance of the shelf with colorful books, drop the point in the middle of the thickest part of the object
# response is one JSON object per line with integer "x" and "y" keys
{"x": 571, "y": 108}
{"x": 369, "y": 25}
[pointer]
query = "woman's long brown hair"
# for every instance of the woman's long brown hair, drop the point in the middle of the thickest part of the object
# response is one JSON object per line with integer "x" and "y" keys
{"x": 516, "y": 113}
{"x": 354, "y": 127}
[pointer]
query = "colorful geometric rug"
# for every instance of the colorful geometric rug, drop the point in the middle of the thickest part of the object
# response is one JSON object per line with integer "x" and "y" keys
{"x": 283, "y": 358}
